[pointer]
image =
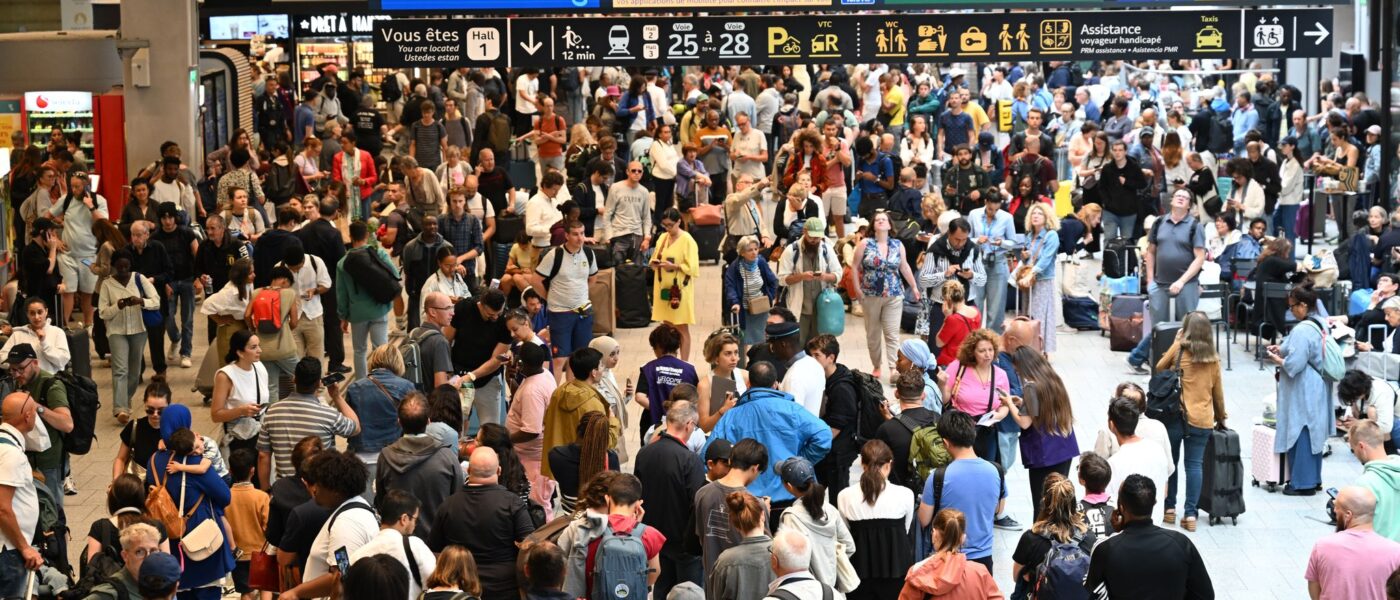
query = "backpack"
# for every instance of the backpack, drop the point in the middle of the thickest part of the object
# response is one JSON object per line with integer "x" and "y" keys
{"x": 369, "y": 273}
{"x": 1021, "y": 168}
{"x": 498, "y": 131}
{"x": 412, "y": 352}
{"x": 281, "y": 183}
{"x": 1060, "y": 576}
{"x": 161, "y": 507}
{"x": 83, "y": 404}
{"x": 926, "y": 450}
{"x": 1164, "y": 393}
{"x": 51, "y": 532}
{"x": 389, "y": 90}
{"x": 267, "y": 311}
{"x": 620, "y": 566}
{"x": 559, "y": 262}
{"x": 869, "y": 396}
{"x": 1222, "y": 138}
{"x": 568, "y": 80}
{"x": 1076, "y": 74}
{"x": 1333, "y": 365}
{"x": 103, "y": 568}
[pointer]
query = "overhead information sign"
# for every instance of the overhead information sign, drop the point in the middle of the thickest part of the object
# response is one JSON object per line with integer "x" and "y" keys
{"x": 440, "y": 43}
{"x": 631, "y": 6}
{"x": 895, "y": 38}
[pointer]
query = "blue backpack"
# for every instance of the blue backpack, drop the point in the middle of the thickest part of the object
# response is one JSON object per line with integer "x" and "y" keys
{"x": 1061, "y": 575}
{"x": 620, "y": 566}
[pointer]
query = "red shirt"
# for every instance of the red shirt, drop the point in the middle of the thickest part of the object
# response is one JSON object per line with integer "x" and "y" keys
{"x": 955, "y": 328}
{"x": 652, "y": 540}
{"x": 549, "y": 149}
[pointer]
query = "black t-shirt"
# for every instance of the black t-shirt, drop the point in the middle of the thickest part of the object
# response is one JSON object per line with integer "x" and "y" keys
{"x": 287, "y": 494}
{"x": 303, "y": 525}
{"x": 899, "y": 437}
{"x": 477, "y": 338}
{"x": 37, "y": 281}
{"x": 143, "y": 441}
{"x": 177, "y": 247}
{"x": 563, "y": 462}
{"x": 492, "y": 185}
{"x": 368, "y": 122}
{"x": 109, "y": 536}
{"x": 1033, "y": 547}
{"x": 215, "y": 261}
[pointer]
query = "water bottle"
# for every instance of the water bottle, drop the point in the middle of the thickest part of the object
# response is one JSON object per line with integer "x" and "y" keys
{"x": 468, "y": 397}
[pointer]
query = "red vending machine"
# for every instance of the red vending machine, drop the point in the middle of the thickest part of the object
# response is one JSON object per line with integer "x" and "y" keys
{"x": 98, "y": 123}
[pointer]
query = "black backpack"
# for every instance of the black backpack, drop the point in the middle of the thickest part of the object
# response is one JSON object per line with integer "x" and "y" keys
{"x": 1164, "y": 393}
{"x": 84, "y": 405}
{"x": 389, "y": 90}
{"x": 869, "y": 396}
{"x": 368, "y": 272}
{"x": 559, "y": 262}
{"x": 1076, "y": 74}
{"x": 103, "y": 568}
{"x": 1222, "y": 138}
{"x": 280, "y": 184}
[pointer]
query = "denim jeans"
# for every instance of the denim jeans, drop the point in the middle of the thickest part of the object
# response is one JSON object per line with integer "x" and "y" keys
{"x": 1160, "y": 303}
{"x": 1179, "y": 431}
{"x": 361, "y": 334}
{"x": 275, "y": 370}
{"x": 1286, "y": 218}
{"x": 183, "y": 333}
{"x": 993, "y": 296}
{"x": 1118, "y": 226}
{"x": 126, "y": 368}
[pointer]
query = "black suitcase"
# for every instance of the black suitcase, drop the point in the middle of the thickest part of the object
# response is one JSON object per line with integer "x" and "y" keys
{"x": 81, "y": 350}
{"x": 1163, "y": 334}
{"x": 708, "y": 238}
{"x": 1222, "y": 477}
{"x": 910, "y": 315}
{"x": 500, "y": 256}
{"x": 508, "y": 227}
{"x": 633, "y": 296}
{"x": 603, "y": 255}
{"x": 1120, "y": 258}
{"x": 1081, "y": 313}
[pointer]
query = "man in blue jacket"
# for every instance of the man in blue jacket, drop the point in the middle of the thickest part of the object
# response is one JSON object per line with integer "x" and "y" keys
{"x": 783, "y": 426}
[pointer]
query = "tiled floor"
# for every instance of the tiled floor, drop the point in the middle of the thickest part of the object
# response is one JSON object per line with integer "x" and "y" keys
{"x": 1264, "y": 556}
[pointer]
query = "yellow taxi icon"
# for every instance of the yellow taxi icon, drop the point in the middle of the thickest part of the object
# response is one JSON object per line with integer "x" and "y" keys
{"x": 1210, "y": 37}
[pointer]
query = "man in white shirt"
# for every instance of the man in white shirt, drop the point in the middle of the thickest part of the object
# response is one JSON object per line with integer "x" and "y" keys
{"x": 340, "y": 479}
{"x": 49, "y": 342}
{"x": 401, "y": 512}
{"x": 750, "y": 149}
{"x": 527, "y": 89}
{"x": 169, "y": 187}
{"x": 806, "y": 381}
{"x": 312, "y": 280}
{"x": 19, "y": 499}
{"x": 542, "y": 211}
{"x": 566, "y": 273}
{"x": 1136, "y": 455}
{"x": 658, "y": 97}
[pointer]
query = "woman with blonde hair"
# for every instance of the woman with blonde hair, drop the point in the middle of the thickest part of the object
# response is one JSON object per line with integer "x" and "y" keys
{"x": 948, "y": 573}
{"x": 722, "y": 354}
{"x": 455, "y": 574}
{"x": 1202, "y": 408}
{"x": 879, "y": 515}
{"x": 1058, "y": 521}
{"x": 1077, "y": 229}
{"x": 1036, "y": 275}
{"x": 1045, "y": 416}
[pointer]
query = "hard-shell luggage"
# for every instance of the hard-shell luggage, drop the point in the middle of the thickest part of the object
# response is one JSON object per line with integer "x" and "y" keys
{"x": 1119, "y": 258}
{"x": 602, "y": 254}
{"x": 601, "y": 294}
{"x": 80, "y": 350}
{"x": 1267, "y": 468}
{"x": 1222, "y": 477}
{"x": 707, "y": 239}
{"x": 1081, "y": 313}
{"x": 500, "y": 256}
{"x": 633, "y": 296}
{"x": 1163, "y": 334}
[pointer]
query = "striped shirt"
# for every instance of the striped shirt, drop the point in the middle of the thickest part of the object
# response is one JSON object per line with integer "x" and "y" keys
{"x": 295, "y": 417}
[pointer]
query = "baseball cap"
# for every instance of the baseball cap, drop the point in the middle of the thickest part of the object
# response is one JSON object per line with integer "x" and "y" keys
{"x": 796, "y": 471}
{"x": 814, "y": 227}
{"x": 161, "y": 569}
{"x": 719, "y": 449}
{"x": 20, "y": 353}
{"x": 1374, "y": 130}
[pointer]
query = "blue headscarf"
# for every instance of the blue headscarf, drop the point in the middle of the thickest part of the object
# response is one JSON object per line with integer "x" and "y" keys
{"x": 918, "y": 353}
{"x": 174, "y": 418}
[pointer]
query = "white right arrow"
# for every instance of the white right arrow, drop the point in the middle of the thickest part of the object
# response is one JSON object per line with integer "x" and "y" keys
{"x": 1320, "y": 33}
{"x": 532, "y": 46}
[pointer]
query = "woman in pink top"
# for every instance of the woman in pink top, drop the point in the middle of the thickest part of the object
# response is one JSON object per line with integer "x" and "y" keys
{"x": 974, "y": 384}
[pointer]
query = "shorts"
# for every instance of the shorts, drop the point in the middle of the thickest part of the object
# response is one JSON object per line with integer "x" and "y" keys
{"x": 240, "y": 577}
{"x": 569, "y": 331}
{"x": 834, "y": 200}
{"x": 77, "y": 277}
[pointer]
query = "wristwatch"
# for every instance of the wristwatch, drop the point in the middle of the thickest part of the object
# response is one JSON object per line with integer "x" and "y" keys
{"x": 38, "y": 409}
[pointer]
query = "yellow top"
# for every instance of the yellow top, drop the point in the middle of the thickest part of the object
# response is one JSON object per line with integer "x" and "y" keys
{"x": 686, "y": 254}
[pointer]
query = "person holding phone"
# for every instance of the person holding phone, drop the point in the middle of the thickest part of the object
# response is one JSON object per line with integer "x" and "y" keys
{"x": 302, "y": 414}
{"x": 1305, "y": 417}
{"x": 240, "y": 390}
{"x": 1046, "y": 420}
{"x": 123, "y": 296}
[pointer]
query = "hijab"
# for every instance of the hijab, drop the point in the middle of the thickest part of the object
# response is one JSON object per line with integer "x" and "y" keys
{"x": 607, "y": 345}
{"x": 913, "y": 349}
{"x": 174, "y": 418}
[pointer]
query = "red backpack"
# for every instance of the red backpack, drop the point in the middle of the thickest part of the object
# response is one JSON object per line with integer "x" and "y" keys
{"x": 267, "y": 311}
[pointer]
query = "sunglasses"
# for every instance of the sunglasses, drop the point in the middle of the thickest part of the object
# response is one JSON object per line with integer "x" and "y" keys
{"x": 634, "y": 170}
{"x": 152, "y": 411}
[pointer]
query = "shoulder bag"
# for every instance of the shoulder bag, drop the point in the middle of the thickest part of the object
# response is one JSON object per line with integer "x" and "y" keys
{"x": 207, "y": 537}
{"x": 152, "y": 317}
{"x": 1026, "y": 271}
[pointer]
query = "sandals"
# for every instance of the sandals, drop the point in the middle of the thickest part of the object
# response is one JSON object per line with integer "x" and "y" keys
{"x": 1189, "y": 523}
{"x": 1169, "y": 517}
{"x": 123, "y": 418}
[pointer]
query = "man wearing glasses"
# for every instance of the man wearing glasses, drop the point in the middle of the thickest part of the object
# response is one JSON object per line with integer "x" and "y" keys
{"x": 52, "y": 405}
{"x": 434, "y": 353}
{"x": 138, "y": 540}
{"x": 19, "y": 500}
{"x": 628, "y": 216}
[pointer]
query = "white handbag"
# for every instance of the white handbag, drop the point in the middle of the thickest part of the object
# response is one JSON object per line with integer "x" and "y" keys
{"x": 206, "y": 538}
{"x": 846, "y": 578}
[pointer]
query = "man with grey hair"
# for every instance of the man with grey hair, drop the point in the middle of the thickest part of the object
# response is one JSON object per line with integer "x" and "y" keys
{"x": 138, "y": 541}
{"x": 671, "y": 473}
{"x": 472, "y": 518}
{"x": 153, "y": 261}
{"x": 792, "y": 553}
{"x": 1355, "y": 561}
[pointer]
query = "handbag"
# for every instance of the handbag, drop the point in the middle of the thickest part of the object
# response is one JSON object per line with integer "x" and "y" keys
{"x": 1026, "y": 270}
{"x": 263, "y": 573}
{"x": 847, "y": 580}
{"x": 151, "y": 317}
{"x": 760, "y": 304}
{"x": 206, "y": 538}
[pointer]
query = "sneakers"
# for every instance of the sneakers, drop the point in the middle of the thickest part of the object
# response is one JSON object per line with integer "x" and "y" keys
{"x": 68, "y": 488}
{"x": 1007, "y": 523}
{"x": 185, "y": 362}
{"x": 173, "y": 354}
{"x": 1138, "y": 369}
{"x": 338, "y": 369}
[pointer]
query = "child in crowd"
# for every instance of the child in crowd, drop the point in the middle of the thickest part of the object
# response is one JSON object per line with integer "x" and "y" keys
{"x": 518, "y": 323}
{"x": 571, "y": 212}
{"x": 1094, "y": 475}
{"x": 247, "y": 518}
{"x": 717, "y": 459}
{"x": 209, "y": 454}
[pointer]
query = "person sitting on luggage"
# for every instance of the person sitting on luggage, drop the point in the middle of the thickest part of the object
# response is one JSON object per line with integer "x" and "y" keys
{"x": 520, "y": 265}
{"x": 1373, "y": 316}
{"x": 1276, "y": 265}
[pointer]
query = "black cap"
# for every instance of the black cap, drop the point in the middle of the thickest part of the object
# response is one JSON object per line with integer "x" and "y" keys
{"x": 719, "y": 449}
{"x": 20, "y": 353}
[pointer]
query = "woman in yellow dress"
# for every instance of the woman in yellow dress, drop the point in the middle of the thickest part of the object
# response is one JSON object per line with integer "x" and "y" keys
{"x": 676, "y": 262}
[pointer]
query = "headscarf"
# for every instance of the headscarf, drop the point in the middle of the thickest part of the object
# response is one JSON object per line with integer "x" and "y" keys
{"x": 604, "y": 344}
{"x": 174, "y": 418}
{"x": 913, "y": 349}
{"x": 607, "y": 345}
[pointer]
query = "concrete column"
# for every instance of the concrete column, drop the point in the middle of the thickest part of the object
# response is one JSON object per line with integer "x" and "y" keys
{"x": 167, "y": 109}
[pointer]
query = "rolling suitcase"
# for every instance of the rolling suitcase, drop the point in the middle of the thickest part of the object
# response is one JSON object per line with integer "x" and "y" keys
{"x": 1163, "y": 334}
{"x": 600, "y": 293}
{"x": 80, "y": 350}
{"x": 708, "y": 238}
{"x": 500, "y": 257}
{"x": 632, "y": 296}
{"x": 1267, "y": 468}
{"x": 1222, "y": 477}
{"x": 1081, "y": 313}
{"x": 603, "y": 255}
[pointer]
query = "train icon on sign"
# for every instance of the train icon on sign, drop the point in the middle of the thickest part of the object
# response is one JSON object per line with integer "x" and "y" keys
{"x": 618, "y": 40}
